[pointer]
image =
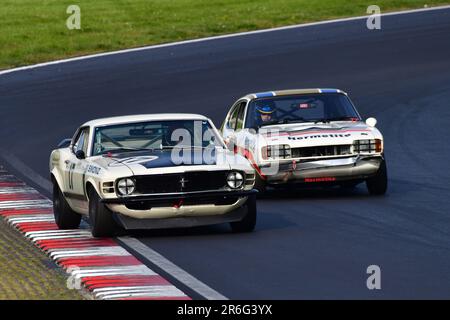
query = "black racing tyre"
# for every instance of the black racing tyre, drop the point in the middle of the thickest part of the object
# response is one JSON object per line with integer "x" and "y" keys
{"x": 377, "y": 185}
{"x": 248, "y": 223}
{"x": 101, "y": 218}
{"x": 260, "y": 184}
{"x": 65, "y": 217}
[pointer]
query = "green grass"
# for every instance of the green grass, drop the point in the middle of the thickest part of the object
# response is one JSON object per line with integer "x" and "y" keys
{"x": 35, "y": 31}
{"x": 26, "y": 273}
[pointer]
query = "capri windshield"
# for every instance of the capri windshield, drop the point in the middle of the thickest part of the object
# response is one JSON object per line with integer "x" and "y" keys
{"x": 300, "y": 108}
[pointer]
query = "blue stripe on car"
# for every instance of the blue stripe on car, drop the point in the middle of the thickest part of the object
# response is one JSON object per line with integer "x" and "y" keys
{"x": 264, "y": 94}
{"x": 329, "y": 90}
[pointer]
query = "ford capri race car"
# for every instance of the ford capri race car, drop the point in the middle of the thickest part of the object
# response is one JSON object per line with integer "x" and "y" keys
{"x": 151, "y": 172}
{"x": 310, "y": 136}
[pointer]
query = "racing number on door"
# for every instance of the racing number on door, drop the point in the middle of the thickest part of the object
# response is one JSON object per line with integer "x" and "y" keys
{"x": 71, "y": 169}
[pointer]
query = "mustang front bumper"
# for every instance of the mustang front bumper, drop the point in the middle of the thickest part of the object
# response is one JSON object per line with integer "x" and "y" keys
{"x": 327, "y": 170}
{"x": 180, "y": 209}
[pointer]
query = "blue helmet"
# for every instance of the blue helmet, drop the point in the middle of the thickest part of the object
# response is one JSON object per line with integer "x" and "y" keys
{"x": 265, "y": 107}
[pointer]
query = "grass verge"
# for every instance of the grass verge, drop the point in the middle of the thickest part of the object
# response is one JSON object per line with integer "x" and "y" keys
{"x": 27, "y": 273}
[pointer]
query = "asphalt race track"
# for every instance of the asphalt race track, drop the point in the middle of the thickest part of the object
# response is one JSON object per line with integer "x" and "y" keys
{"x": 308, "y": 244}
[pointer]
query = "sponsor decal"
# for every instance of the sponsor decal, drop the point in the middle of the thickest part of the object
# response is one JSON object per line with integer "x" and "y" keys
{"x": 322, "y": 179}
{"x": 93, "y": 169}
{"x": 318, "y": 136}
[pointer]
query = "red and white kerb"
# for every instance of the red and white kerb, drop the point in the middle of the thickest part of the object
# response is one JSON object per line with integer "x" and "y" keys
{"x": 103, "y": 267}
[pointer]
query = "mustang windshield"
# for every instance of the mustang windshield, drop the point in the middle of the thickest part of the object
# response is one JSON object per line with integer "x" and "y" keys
{"x": 300, "y": 108}
{"x": 154, "y": 135}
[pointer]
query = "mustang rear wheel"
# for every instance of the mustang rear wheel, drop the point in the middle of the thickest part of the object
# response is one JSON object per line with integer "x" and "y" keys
{"x": 102, "y": 221}
{"x": 65, "y": 217}
{"x": 249, "y": 222}
{"x": 377, "y": 185}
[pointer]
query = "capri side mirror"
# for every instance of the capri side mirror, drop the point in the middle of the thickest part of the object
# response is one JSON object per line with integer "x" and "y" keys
{"x": 80, "y": 154}
{"x": 371, "y": 122}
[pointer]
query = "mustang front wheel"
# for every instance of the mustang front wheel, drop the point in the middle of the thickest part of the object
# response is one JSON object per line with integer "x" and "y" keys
{"x": 249, "y": 222}
{"x": 102, "y": 222}
{"x": 65, "y": 217}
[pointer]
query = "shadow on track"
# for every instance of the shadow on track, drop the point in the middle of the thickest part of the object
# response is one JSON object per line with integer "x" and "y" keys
{"x": 266, "y": 220}
{"x": 318, "y": 192}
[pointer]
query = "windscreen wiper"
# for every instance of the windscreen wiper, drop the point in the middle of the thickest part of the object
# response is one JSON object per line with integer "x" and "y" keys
{"x": 298, "y": 120}
{"x": 328, "y": 120}
{"x": 283, "y": 121}
{"x": 125, "y": 149}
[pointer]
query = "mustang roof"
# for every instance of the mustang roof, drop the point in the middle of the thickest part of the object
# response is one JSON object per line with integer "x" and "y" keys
{"x": 144, "y": 117}
{"x": 291, "y": 92}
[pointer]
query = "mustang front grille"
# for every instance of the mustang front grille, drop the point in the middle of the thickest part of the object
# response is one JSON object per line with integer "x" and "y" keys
{"x": 321, "y": 151}
{"x": 181, "y": 182}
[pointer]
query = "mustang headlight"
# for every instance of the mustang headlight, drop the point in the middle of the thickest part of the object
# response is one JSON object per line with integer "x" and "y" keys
{"x": 126, "y": 186}
{"x": 235, "y": 180}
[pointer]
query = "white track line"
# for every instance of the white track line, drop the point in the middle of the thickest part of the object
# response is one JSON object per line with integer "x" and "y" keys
{"x": 233, "y": 35}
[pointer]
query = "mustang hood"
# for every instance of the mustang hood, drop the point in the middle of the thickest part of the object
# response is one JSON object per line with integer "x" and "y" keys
{"x": 153, "y": 162}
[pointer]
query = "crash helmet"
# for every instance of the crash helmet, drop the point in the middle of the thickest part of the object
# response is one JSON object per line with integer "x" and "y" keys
{"x": 265, "y": 107}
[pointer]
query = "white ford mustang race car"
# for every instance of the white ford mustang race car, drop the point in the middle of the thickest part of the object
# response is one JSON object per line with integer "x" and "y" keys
{"x": 150, "y": 172}
{"x": 309, "y": 136}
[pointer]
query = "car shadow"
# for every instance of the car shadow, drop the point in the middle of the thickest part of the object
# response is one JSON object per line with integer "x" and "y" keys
{"x": 221, "y": 229}
{"x": 266, "y": 220}
{"x": 319, "y": 192}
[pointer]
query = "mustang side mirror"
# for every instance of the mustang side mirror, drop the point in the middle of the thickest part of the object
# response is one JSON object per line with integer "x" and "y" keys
{"x": 80, "y": 154}
{"x": 371, "y": 122}
{"x": 64, "y": 143}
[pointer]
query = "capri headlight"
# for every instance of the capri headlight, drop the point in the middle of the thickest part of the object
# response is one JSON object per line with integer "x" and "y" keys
{"x": 126, "y": 186}
{"x": 282, "y": 151}
{"x": 235, "y": 180}
{"x": 368, "y": 146}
